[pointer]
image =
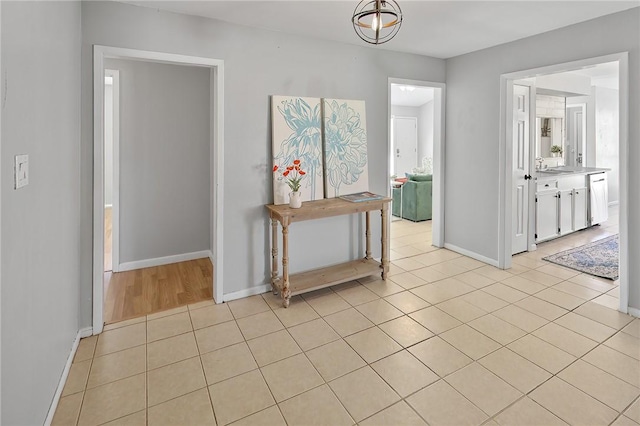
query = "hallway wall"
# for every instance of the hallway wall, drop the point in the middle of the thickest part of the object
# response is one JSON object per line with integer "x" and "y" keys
{"x": 40, "y": 233}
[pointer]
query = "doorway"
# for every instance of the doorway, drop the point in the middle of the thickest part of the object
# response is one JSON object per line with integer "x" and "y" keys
{"x": 111, "y": 168}
{"x": 214, "y": 139}
{"x": 415, "y": 154}
{"x": 507, "y": 136}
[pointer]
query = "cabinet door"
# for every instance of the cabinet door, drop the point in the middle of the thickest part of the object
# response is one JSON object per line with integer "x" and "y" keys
{"x": 546, "y": 215}
{"x": 579, "y": 208}
{"x": 566, "y": 211}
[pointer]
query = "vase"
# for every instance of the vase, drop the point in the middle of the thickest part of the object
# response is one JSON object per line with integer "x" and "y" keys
{"x": 295, "y": 200}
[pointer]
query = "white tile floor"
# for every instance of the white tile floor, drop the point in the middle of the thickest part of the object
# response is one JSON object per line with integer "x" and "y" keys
{"x": 446, "y": 340}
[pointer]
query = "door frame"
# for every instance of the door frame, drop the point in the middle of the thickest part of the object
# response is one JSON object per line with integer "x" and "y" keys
{"x": 216, "y": 143}
{"x": 505, "y": 153}
{"x": 439, "y": 105}
{"x": 415, "y": 120}
{"x": 583, "y": 109}
{"x": 115, "y": 178}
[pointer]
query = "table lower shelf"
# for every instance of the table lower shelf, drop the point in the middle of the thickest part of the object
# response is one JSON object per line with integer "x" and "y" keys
{"x": 331, "y": 275}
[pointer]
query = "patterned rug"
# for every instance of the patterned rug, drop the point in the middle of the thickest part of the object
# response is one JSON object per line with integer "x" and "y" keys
{"x": 599, "y": 258}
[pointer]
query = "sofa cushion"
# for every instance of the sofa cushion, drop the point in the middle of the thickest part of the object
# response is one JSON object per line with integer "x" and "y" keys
{"x": 420, "y": 178}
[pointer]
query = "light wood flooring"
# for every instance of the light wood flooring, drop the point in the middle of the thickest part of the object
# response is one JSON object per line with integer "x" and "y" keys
{"x": 133, "y": 294}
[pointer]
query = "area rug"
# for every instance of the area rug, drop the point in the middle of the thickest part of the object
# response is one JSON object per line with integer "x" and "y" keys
{"x": 599, "y": 258}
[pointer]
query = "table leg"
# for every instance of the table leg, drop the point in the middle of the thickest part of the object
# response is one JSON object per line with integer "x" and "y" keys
{"x": 286, "y": 293}
{"x": 368, "y": 235}
{"x": 385, "y": 241}
{"x": 274, "y": 255}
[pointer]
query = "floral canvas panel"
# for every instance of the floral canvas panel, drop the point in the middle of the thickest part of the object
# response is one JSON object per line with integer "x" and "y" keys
{"x": 345, "y": 147}
{"x": 296, "y": 136}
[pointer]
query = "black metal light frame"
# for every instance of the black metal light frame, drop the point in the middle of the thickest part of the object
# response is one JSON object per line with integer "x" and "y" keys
{"x": 386, "y": 12}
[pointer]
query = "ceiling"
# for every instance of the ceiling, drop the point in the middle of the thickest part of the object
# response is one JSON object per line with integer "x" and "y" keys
{"x": 440, "y": 29}
{"x": 411, "y": 96}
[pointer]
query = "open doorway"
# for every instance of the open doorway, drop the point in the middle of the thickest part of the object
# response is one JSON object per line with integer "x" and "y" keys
{"x": 157, "y": 171}
{"x": 156, "y": 187}
{"x": 572, "y": 175}
{"x": 415, "y": 153}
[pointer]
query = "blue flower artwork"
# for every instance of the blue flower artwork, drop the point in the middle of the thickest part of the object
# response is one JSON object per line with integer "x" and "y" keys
{"x": 296, "y": 135}
{"x": 345, "y": 147}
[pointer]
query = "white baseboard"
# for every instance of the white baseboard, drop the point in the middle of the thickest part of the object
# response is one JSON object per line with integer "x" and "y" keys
{"x": 85, "y": 332}
{"x": 634, "y": 312}
{"x": 471, "y": 254}
{"x": 613, "y": 203}
{"x": 265, "y": 288}
{"x": 159, "y": 261}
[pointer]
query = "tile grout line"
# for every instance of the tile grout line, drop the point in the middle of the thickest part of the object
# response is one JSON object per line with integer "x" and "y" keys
{"x": 378, "y": 297}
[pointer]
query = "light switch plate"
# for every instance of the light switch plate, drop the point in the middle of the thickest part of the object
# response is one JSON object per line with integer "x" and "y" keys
{"x": 21, "y": 171}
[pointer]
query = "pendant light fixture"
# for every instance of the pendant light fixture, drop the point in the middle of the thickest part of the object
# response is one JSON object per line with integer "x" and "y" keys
{"x": 377, "y": 21}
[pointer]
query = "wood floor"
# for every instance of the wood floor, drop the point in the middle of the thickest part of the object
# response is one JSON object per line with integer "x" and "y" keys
{"x": 133, "y": 294}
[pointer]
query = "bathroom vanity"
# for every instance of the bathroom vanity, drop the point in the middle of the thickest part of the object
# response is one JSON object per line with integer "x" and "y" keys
{"x": 569, "y": 199}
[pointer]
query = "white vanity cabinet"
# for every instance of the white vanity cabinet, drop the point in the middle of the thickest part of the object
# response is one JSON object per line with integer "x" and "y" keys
{"x": 561, "y": 205}
{"x": 580, "y": 208}
{"x": 566, "y": 211}
{"x": 547, "y": 223}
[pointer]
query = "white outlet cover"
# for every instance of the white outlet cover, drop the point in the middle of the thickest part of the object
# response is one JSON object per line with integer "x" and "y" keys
{"x": 21, "y": 171}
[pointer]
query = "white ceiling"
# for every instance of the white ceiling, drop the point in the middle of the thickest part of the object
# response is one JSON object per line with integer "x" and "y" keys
{"x": 411, "y": 98}
{"x": 440, "y": 29}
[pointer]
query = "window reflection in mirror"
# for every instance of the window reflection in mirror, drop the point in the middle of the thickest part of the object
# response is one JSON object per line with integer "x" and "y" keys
{"x": 550, "y": 130}
{"x": 549, "y": 133}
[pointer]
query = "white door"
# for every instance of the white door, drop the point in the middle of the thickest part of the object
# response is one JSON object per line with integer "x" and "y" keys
{"x": 576, "y": 142}
{"x": 521, "y": 176}
{"x": 405, "y": 144}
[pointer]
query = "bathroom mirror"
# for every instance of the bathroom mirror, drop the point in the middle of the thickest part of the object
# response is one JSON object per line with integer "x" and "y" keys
{"x": 549, "y": 133}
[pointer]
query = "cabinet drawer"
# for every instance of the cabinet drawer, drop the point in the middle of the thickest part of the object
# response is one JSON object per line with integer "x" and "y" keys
{"x": 546, "y": 184}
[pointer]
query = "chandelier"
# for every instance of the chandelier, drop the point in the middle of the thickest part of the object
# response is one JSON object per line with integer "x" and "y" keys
{"x": 377, "y": 21}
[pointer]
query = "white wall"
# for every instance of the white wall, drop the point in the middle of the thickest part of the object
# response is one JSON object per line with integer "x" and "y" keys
{"x": 164, "y": 159}
{"x": 473, "y": 116}
{"x": 258, "y": 64}
{"x": 607, "y": 136}
{"x": 40, "y": 234}
{"x": 425, "y": 131}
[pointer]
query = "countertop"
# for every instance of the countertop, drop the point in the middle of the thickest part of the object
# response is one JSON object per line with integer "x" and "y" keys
{"x": 555, "y": 172}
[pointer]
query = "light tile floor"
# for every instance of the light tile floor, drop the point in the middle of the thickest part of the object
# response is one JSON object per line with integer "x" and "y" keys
{"x": 446, "y": 340}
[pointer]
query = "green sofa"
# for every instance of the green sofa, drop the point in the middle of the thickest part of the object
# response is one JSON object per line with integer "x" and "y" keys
{"x": 416, "y": 198}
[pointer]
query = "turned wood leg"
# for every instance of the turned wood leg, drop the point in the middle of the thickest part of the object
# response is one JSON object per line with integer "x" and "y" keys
{"x": 368, "y": 235}
{"x": 286, "y": 293}
{"x": 274, "y": 255}
{"x": 385, "y": 241}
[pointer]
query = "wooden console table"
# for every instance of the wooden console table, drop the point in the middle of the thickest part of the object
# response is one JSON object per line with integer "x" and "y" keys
{"x": 290, "y": 285}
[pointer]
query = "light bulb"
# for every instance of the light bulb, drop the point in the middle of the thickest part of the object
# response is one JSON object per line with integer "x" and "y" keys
{"x": 375, "y": 22}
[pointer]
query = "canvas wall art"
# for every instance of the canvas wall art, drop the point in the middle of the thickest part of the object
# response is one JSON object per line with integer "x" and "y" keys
{"x": 345, "y": 147}
{"x": 296, "y": 135}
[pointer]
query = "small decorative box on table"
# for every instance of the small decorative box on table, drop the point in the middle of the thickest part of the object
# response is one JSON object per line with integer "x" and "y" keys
{"x": 290, "y": 285}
